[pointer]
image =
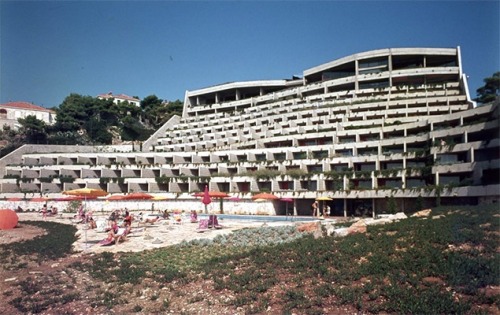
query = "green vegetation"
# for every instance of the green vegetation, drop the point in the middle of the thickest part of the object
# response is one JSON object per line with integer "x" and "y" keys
{"x": 439, "y": 265}
{"x": 87, "y": 120}
{"x": 490, "y": 90}
{"x": 55, "y": 244}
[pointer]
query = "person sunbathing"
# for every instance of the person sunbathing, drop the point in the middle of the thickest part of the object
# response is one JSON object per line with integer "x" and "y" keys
{"x": 118, "y": 233}
{"x": 151, "y": 220}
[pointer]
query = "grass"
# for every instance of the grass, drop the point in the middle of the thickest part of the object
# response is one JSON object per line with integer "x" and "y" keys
{"x": 384, "y": 270}
{"x": 55, "y": 244}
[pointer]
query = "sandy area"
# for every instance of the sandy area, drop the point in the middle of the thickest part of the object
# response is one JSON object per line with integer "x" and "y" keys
{"x": 144, "y": 235}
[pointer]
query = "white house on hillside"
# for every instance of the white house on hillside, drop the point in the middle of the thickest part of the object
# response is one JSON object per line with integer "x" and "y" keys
{"x": 120, "y": 98}
{"x": 12, "y": 111}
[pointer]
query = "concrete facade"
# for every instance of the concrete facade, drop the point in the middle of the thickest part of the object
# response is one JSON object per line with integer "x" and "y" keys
{"x": 373, "y": 131}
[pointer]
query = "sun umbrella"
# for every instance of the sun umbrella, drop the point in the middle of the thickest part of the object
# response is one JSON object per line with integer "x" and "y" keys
{"x": 115, "y": 197}
{"x": 206, "y": 198}
{"x": 234, "y": 198}
{"x": 324, "y": 199}
{"x": 14, "y": 199}
{"x": 39, "y": 199}
{"x": 138, "y": 196}
{"x": 266, "y": 196}
{"x": 86, "y": 192}
{"x": 260, "y": 200}
{"x": 212, "y": 194}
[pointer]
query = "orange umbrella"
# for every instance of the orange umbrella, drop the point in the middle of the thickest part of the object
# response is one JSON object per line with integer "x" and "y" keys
{"x": 116, "y": 197}
{"x": 212, "y": 194}
{"x": 8, "y": 219}
{"x": 86, "y": 192}
{"x": 265, "y": 196}
{"x": 137, "y": 196}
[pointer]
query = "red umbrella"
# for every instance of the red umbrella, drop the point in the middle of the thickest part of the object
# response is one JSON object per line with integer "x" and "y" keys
{"x": 14, "y": 199}
{"x": 39, "y": 199}
{"x": 137, "y": 196}
{"x": 206, "y": 198}
{"x": 265, "y": 196}
{"x": 116, "y": 197}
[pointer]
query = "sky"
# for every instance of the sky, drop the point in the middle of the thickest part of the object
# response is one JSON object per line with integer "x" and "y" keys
{"x": 50, "y": 49}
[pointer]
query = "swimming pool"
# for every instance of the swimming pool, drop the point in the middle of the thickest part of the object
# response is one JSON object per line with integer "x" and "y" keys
{"x": 259, "y": 218}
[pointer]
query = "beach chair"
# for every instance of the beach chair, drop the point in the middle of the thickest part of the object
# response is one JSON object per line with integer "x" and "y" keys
{"x": 101, "y": 225}
{"x": 203, "y": 226}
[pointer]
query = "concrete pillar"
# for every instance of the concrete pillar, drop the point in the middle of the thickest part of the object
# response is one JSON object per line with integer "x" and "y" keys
{"x": 345, "y": 208}
{"x": 356, "y": 71}
{"x": 238, "y": 95}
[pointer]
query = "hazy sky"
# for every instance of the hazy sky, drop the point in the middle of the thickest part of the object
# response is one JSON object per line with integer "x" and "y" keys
{"x": 50, "y": 49}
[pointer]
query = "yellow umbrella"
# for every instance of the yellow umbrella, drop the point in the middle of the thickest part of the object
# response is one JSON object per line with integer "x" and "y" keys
{"x": 324, "y": 199}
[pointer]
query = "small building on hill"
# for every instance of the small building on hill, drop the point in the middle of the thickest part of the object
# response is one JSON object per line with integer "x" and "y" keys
{"x": 120, "y": 98}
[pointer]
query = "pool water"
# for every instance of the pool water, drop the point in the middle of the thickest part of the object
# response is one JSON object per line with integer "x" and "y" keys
{"x": 260, "y": 218}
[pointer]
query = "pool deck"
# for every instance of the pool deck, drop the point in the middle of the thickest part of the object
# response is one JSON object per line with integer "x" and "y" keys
{"x": 164, "y": 233}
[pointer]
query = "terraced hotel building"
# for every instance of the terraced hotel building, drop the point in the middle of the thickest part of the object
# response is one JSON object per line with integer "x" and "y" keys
{"x": 375, "y": 130}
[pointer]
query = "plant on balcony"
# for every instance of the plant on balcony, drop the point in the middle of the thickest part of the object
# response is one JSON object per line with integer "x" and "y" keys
{"x": 66, "y": 179}
{"x": 363, "y": 174}
{"x": 296, "y": 173}
{"x": 25, "y": 179}
{"x": 104, "y": 180}
{"x": 45, "y": 179}
{"x": 264, "y": 174}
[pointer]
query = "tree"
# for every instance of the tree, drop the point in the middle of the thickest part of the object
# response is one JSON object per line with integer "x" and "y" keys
{"x": 132, "y": 129}
{"x": 33, "y": 129}
{"x": 489, "y": 92}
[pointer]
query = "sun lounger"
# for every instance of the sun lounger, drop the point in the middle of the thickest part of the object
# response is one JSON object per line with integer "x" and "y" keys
{"x": 203, "y": 226}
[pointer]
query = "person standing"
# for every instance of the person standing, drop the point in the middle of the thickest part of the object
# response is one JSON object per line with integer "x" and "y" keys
{"x": 314, "y": 207}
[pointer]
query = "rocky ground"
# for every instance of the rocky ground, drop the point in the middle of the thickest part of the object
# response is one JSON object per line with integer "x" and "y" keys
{"x": 59, "y": 277}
